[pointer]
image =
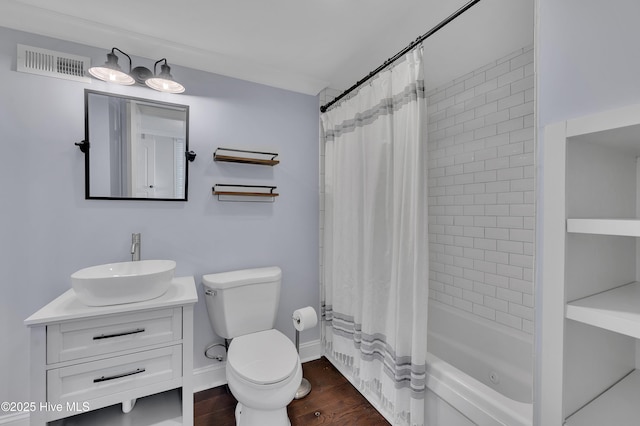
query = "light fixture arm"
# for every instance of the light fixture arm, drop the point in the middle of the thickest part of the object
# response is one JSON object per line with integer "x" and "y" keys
{"x": 128, "y": 57}
{"x": 156, "y": 64}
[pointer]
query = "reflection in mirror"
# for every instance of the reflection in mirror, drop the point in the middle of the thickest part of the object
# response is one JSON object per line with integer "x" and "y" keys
{"x": 137, "y": 148}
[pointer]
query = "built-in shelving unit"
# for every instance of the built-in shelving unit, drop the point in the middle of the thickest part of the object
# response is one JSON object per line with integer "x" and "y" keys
{"x": 590, "y": 312}
{"x": 231, "y": 155}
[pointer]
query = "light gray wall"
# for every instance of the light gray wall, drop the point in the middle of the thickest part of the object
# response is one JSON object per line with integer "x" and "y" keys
{"x": 48, "y": 230}
{"x": 587, "y": 59}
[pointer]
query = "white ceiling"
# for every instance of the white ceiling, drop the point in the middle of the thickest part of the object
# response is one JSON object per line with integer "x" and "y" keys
{"x": 299, "y": 45}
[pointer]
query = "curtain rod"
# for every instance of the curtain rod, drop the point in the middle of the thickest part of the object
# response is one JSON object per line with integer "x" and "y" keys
{"x": 407, "y": 49}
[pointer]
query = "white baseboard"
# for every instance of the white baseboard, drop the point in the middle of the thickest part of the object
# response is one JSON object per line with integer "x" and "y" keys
{"x": 213, "y": 375}
{"x": 310, "y": 351}
{"x": 15, "y": 419}
{"x": 209, "y": 377}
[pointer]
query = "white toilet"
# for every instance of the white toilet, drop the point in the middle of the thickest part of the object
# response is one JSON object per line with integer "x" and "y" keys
{"x": 263, "y": 368}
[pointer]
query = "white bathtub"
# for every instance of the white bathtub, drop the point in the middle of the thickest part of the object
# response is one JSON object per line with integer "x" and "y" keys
{"x": 479, "y": 373}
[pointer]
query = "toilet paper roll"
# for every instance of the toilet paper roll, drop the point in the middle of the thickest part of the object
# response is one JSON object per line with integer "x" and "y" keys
{"x": 305, "y": 318}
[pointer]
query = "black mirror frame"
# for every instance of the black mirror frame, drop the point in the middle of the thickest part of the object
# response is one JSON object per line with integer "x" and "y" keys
{"x": 85, "y": 146}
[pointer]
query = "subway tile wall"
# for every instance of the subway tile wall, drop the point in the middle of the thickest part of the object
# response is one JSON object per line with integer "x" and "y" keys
{"x": 481, "y": 191}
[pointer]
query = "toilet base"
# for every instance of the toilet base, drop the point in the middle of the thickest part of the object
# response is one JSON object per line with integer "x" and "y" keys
{"x": 246, "y": 416}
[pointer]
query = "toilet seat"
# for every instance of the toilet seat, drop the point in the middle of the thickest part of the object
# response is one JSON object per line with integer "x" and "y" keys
{"x": 263, "y": 358}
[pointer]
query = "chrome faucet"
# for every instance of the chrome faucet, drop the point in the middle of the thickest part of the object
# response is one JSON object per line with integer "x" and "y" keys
{"x": 135, "y": 247}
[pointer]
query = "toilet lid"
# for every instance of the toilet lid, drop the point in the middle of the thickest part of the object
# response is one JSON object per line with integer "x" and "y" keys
{"x": 263, "y": 358}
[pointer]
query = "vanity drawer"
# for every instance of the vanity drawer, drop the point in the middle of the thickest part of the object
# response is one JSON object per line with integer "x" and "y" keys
{"x": 90, "y": 380}
{"x": 84, "y": 338}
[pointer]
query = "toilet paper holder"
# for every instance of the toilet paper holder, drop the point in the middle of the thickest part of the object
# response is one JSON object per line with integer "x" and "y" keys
{"x": 303, "y": 319}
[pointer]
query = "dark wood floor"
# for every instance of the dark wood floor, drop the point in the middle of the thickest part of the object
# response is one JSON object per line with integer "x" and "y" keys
{"x": 332, "y": 401}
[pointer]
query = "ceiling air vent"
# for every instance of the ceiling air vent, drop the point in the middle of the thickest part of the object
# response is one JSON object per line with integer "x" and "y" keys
{"x": 34, "y": 60}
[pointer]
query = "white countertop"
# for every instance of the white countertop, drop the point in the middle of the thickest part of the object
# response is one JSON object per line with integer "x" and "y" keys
{"x": 65, "y": 307}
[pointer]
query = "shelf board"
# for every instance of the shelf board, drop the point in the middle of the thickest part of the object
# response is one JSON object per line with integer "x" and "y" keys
{"x": 163, "y": 409}
{"x": 616, "y": 310}
{"x": 245, "y": 160}
{"x": 621, "y": 227}
{"x": 248, "y": 194}
{"x": 617, "y": 406}
{"x": 238, "y": 192}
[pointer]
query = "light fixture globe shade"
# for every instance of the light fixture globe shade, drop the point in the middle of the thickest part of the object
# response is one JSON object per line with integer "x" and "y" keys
{"x": 164, "y": 81}
{"x": 111, "y": 72}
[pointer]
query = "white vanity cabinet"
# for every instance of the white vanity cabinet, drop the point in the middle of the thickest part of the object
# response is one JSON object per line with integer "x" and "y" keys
{"x": 590, "y": 295}
{"x": 87, "y": 361}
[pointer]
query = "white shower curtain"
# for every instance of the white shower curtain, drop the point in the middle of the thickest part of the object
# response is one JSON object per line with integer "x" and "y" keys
{"x": 375, "y": 271}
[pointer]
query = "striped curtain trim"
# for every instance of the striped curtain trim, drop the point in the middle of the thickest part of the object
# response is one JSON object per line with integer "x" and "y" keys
{"x": 400, "y": 369}
{"x": 386, "y": 106}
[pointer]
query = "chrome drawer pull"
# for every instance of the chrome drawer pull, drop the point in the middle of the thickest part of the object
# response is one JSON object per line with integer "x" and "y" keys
{"x": 124, "y": 333}
{"x": 118, "y": 376}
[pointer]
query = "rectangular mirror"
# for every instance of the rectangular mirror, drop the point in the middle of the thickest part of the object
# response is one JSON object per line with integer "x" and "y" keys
{"x": 137, "y": 148}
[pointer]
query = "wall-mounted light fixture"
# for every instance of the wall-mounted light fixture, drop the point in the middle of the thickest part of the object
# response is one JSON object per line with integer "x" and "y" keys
{"x": 164, "y": 81}
{"x": 112, "y": 72}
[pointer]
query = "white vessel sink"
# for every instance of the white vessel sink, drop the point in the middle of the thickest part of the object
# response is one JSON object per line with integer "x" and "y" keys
{"x": 124, "y": 282}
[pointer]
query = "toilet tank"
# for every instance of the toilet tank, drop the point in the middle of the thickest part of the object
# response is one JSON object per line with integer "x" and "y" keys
{"x": 242, "y": 302}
